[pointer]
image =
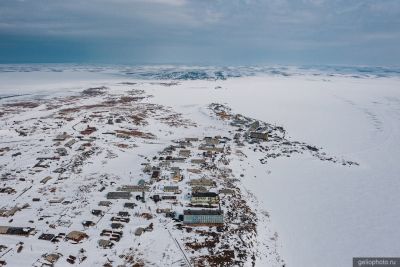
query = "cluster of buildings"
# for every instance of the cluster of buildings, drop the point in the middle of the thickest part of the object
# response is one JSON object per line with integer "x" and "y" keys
{"x": 201, "y": 201}
{"x": 248, "y": 129}
{"x": 176, "y": 180}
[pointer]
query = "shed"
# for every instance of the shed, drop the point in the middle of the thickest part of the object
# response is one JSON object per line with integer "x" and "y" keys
{"x": 259, "y": 135}
{"x": 105, "y": 203}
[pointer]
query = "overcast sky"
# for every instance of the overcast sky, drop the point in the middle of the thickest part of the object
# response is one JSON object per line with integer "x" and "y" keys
{"x": 227, "y": 32}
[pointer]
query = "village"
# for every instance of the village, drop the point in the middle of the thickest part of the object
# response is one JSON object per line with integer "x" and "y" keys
{"x": 58, "y": 207}
{"x": 108, "y": 178}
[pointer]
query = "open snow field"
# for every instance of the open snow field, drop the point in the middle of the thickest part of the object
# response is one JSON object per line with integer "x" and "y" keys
{"x": 324, "y": 213}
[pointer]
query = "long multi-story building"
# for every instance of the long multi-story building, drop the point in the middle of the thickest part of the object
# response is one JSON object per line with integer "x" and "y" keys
{"x": 203, "y": 217}
{"x": 199, "y": 198}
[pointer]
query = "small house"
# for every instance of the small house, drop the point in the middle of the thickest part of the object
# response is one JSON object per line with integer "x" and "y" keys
{"x": 117, "y": 225}
{"x": 105, "y": 203}
{"x": 177, "y": 176}
{"x": 198, "y": 161}
{"x": 119, "y": 195}
{"x": 52, "y": 258}
{"x": 210, "y": 148}
{"x": 76, "y": 236}
{"x": 185, "y": 153}
{"x": 47, "y": 237}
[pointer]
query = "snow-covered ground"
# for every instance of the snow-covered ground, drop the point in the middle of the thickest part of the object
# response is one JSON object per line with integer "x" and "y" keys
{"x": 324, "y": 213}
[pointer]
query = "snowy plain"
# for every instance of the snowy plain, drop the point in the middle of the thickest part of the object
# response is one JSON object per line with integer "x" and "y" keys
{"x": 324, "y": 213}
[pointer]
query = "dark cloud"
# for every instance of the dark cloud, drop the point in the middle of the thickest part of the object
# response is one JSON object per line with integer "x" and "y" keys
{"x": 206, "y": 31}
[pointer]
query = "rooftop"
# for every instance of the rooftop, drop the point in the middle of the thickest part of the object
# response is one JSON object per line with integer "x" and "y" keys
{"x": 203, "y": 212}
{"x": 204, "y": 194}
